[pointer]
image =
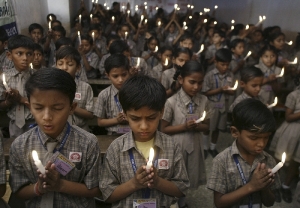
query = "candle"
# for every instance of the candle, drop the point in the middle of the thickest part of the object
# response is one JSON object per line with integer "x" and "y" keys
{"x": 146, "y": 21}
{"x": 126, "y": 33}
{"x": 234, "y": 87}
{"x": 79, "y": 38}
{"x": 201, "y": 49}
{"x": 136, "y": 9}
{"x": 4, "y": 82}
{"x": 202, "y": 117}
{"x": 96, "y": 1}
{"x": 145, "y": 3}
{"x": 50, "y": 17}
{"x": 289, "y": 43}
{"x": 49, "y": 25}
{"x": 273, "y": 104}
{"x": 93, "y": 36}
{"x": 107, "y": 8}
{"x": 281, "y": 73}
{"x": 294, "y": 62}
{"x": 37, "y": 162}
{"x": 185, "y": 27}
{"x": 261, "y": 19}
{"x": 151, "y": 156}
{"x": 31, "y": 66}
{"x": 156, "y": 49}
{"x": 192, "y": 6}
{"x": 166, "y": 62}
{"x": 91, "y": 16}
{"x": 128, "y": 12}
{"x": 215, "y": 22}
{"x": 178, "y": 8}
{"x": 92, "y": 1}
{"x": 216, "y": 7}
{"x": 200, "y": 13}
{"x": 232, "y": 27}
{"x": 146, "y": 7}
{"x": 156, "y": 8}
{"x": 80, "y": 18}
{"x": 205, "y": 21}
{"x": 188, "y": 6}
{"x": 280, "y": 164}
{"x": 104, "y": 4}
{"x": 159, "y": 23}
{"x": 113, "y": 19}
{"x": 190, "y": 17}
{"x": 247, "y": 27}
{"x": 248, "y": 54}
{"x": 138, "y": 62}
{"x": 175, "y": 6}
{"x": 232, "y": 21}
{"x": 142, "y": 18}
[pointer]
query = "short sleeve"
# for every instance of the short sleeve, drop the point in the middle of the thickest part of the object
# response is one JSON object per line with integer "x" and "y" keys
{"x": 99, "y": 107}
{"x": 94, "y": 61}
{"x": 206, "y": 83}
{"x": 217, "y": 177}
{"x": 168, "y": 112}
{"x": 165, "y": 80}
{"x": 291, "y": 101}
{"x": 89, "y": 106}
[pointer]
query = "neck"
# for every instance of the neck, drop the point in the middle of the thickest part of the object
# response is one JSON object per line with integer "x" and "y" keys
{"x": 245, "y": 155}
{"x": 218, "y": 45}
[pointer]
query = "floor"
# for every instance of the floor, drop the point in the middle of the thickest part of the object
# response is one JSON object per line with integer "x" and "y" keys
{"x": 201, "y": 197}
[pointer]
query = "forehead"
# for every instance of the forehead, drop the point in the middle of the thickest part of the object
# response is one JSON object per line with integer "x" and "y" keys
{"x": 22, "y": 49}
{"x": 48, "y": 97}
{"x": 184, "y": 56}
{"x": 66, "y": 59}
{"x": 36, "y": 31}
{"x": 117, "y": 70}
{"x": 37, "y": 51}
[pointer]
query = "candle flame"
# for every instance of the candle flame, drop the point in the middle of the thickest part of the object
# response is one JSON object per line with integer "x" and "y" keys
{"x": 215, "y": 22}
{"x": 283, "y": 157}
{"x": 216, "y": 7}
{"x": 205, "y": 21}
{"x": 274, "y": 104}
{"x": 232, "y": 27}
{"x": 31, "y": 66}
{"x": 156, "y": 49}
{"x": 247, "y": 27}
{"x": 264, "y": 17}
{"x": 107, "y": 8}
{"x": 295, "y": 61}
{"x": 145, "y": 3}
{"x": 192, "y": 7}
{"x": 3, "y": 78}
{"x": 35, "y": 155}
{"x": 146, "y": 21}
{"x": 281, "y": 73}
{"x": 156, "y": 8}
{"x": 78, "y": 33}
{"x": 184, "y": 23}
{"x": 104, "y": 4}
{"x": 260, "y": 18}
{"x": 128, "y": 11}
{"x": 289, "y": 43}
{"x": 50, "y": 17}
{"x": 113, "y": 18}
{"x": 175, "y": 6}
{"x": 235, "y": 86}
{"x": 232, "y": 21}
{"x": 190, "y": 17}
{"x": 248, "y": 54}
{"x": 201, "y": 49}
{"x": 202, "y": 117}
{"x": 146, "y": 7}
{"x": 142, "y": 17}
{"x": 166, "y": 62}
{"x": 159, "y": 23}
{"x": 178, "y": 8}
{"x": 188, "y": 6}
{"x": 138, "y": 62}
{"x": 185, "y": 27}
{"x": 200, "y": 13}
{"x": 91, "y": 16}
{"x": 96, "y": 1}
{"x": 151, "y": 155}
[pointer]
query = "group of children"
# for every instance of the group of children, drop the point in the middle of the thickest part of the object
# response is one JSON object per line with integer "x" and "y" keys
{"x": 167, "y": 95}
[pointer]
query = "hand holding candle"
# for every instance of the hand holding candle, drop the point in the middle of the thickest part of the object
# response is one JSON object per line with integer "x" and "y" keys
{"x": 4, "y": 82}
{"x": 150, "y": 161}
{"x": 37, "y": 162}
{"x": 202, "y": 118}
{"x": 280, "y": 164}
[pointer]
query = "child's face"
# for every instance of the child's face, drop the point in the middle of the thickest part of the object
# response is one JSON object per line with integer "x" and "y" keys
{"x": 279, "y": 42}
{"x": 252, "y": 87}
{"x": 166, "y": 55}
{"x": 69, "y": 65}
{"x": 181, "y": 59}
{"x": 21, "y": 57}
{"x": 217, "y": 39}
{"x": 210, "y": 32}
{"x": 143, "y": 122}
{"x": 95, "y": 20}
{"x": 268, "y": 58}
{"x": 250, "y": 143}
{"x": 37, "y": 58}
{"x": 56, "y": 35}
{"x": 96, "y": 33}
{"x": 152, "y": 44}
{"x": 239, "y": 49}
{"x": 257, "y": 37}
{"x": 118, "y": 76}
{"x": 50, "y": 109}
{"x": 192, "y": 83}
{"x": 86, "y": 46}
{"x": 222, "y": 66}
{"x": 36, "y": 35}
{"x": 172, "y": 28}
{"x": 187, "y": 43}
{"x": 122, "y": 32}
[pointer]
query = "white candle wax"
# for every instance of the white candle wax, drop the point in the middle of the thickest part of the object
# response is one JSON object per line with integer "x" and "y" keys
{"x": 166, "y": 62}
{"x": 201, "y": 49}
{"x": 93, "y": 36}
{"x": 280, "y": 164}
{"x": 159, "y": 23}
{"x": 234, "y": 87}
{"x": 281, "y": 73}
{"x": 156, "y": 49}
{"x": 138, "y": 62}
{"x": 294, "y": 62}
{"x": 80, "y": 18}
{"x": 248, "y": 54}
{"x": 31, "y": 66}
{"x": 91, "y": 16}
{"x": 150, "y": 161}
{"x": 79, "y": 38}
{"x": 37, "y": 162}
{"x": 4, "y": 82}
{"x": 49, "y": 25}
{"x": 273, "y": 104}
{"x": 216, "y": 7}
{"x": 202, "y": 117}
{"x": 113, "y": 18}
{"x": 126, "y": 33}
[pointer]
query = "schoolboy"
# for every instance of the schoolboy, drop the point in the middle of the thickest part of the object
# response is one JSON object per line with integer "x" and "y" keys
{"x": 36, "y": 32}
{"x": 38, "y": 57}
{"x": 5, "y": 63}
{"x": 89, "y": 59}
{"x": 68, "y": 59}
{"x": 215, "y": 87}
{"x": 251, "y": 82}
{"x": 237, "y": 47}
{"x": 108, "y": 110}
{"x": 122, "y": 31}
{"x": 124, "y": 178}
{"x": 20, "y": 52}
{"x": 241, "y": 174}
{"x": 99, "y": 45}
{"x": 50, "y": 94}
{"x": 217, "y": 39}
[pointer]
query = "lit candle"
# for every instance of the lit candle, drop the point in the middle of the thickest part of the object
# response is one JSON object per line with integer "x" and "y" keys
{"x": 159, "y": 23}
{"x": 200, "y": 13}
{"x": 96, "y": 1}
{"x": 248, "y": 54}
{"x": 50, "y": 17}
{"x": 273, "y": 104}
{"x": 232, "y": 27}
{"x": 145, "y": 3}
{"x": 184, "y": 24}
{"x": 280, "y": 164}
{"x": 215, "y": 22}
{"x": 261, "y": 19}
{"x": 146, "y": 21}
{"x": 136, "y": 9}
{"x": 201, "y": 49}
{"x": 188, "y": 6}
{"x": 294, "y": 62}
{"x": 92, "y": 1}
{"x": 128, "y": 12}
{"x": 79, "y": 38}
{"x": 156, "y": 8}
{"x": 150, "y": 161}
{"x": 234, "y": 87}
{"x": 185, "y": 27}
{"x": 49, "y": 25}
{"x": 142, "y": 18}
{"x": 80, "y": 18}
{"x": 4, "y": 82}
{"x": 202, "y": 117}
{"x": 289, "y": 43}
{"x": 37, "y": 162}
{"x": 113, "y": 19}
{"x": 93, "y": 36}
{"x": 91, "y": 16}
{"x": 107, "y": 8}
{"x": 190, "y": 17}
{"x": 104, "y": 4}
{"x": 281, "y": 73}
{"x": 31, "y": 66}
{"x": 126, "y": 33}
{"x": 156, "y": 49}
{"x": 166, "y": 62}
{"x": 247, "y": 27}
{"x": 232, "y": 21}
{"x": 205, "y": 21}
{"x": 138, "y": 62}
{"x": 146, "y": 7}
{"x": 192, "y": 6}
{"x": 178, "y": 9}
{"x": 216, "y": 7}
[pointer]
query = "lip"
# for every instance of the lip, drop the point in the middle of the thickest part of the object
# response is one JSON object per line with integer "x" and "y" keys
{"x": 259, "y": 151}
{"x": 48, "y": 127}
{"x": 144, "y": 133}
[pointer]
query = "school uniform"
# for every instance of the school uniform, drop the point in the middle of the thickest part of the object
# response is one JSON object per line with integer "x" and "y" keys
{"x": 157, "y": 72}
{"x": 107, "y": 106}
{"x": 266, "y": 92}
{"x": 118, "y": 169}
{"x": 225, "y": 176}
{"x": 52, "y": 54}
{"x": 144, "y": 68}
{"x": 132, "y": 46}
{"x": 2, "y": 162}
{"x": 219, "y": 102}
{"x": 239, "y": 99}
{"x": 167, "y": 78}
{"x": 81, "y": 75}
{"x": 140, "y": 44}
{"x": 23, "y": 171}
{"x": 152, "y": 61}
{"x": 237, "y": 76}
{"x": 84, "y": 99}
{"x": 101, "y": 64}
{"x": 210, "y": 53}
{"x": 101, "y": 44}
{"x": 19, "y": 115}
{"x": 287, "y": 136}
{"x": 5, "y": 63}
{"x": 178, "y": 109}
{"x": 93, "y": 61}
{"x": 170, "y": 38}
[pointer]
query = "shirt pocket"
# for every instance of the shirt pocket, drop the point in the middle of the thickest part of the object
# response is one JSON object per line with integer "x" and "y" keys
{"x": 76, "y": 175}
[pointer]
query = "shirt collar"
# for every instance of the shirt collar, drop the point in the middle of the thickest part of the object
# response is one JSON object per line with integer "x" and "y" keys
{"x": 235, "y": 151}
{"x": 216, "y": 72}
{"x": 186, "y": 99}
{"x": 44, "y": 138}
{"x": 114, "y": 90}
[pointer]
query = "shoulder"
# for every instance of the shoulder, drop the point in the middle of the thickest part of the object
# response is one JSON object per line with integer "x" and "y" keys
{"x": 21, "y": 140}
{"x": 82, "y": 135}
{"x": 104, "y": 93}
{"x": 222, "y": 157}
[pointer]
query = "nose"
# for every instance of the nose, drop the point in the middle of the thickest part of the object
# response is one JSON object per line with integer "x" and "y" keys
{"x": 64, "y": 67}
{"x": 143, "y": 125}
{"x": 261, "y": 143}
{"x": 120, "y": 79}
{"x": 47, "y": 116}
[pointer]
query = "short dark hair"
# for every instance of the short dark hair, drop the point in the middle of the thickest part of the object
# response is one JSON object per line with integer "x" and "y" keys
{"x": 51, "y": 79}
{"x": 250, "y": 73}
{"x": 116, "y": 61}
{"x": 88, "y": 38}
{"x": 38, "y": 47}
{"x": 112, "y": 38}
{"x": 52, "y": 15}
{"x": 19, "y": 41}
{"x": 34, "y": 26}
{"x": 235, "y": 42}
{"x": 142, "y": 91}
{"x": 186, "y": 36}
{"x": 180, "y": 50}
{"x": 223, "y": 55}
{"x": 118, "y": 46}
{"x": 95, "y": 27}
{"x": 60, "y": 29}
{"x": 3, "y": 34}
{"x": 63, "y": 41}
{"x": 56, "y": 21}
{"x": 68, "y": 52}
{"x": 254, "y": 116}
{"x": 220, "y": 33}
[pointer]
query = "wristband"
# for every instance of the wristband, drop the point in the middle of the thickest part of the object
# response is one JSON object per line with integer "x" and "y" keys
{"x": 36, "y": 190}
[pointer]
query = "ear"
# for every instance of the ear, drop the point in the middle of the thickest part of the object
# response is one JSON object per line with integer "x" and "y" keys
{"x": 234, "y": 132}
{"x": 242, "y": 84}
{"x": 73, "y": 107}
{"x": 9, "y": 55}
{"x": 180, "y": 79}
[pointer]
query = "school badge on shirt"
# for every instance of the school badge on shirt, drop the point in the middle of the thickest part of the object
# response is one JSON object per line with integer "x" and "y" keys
{"x": 163, "y": 164}
{"x": 77, "y": 96}
{"x": 75, "y": 156}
